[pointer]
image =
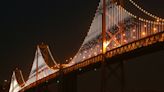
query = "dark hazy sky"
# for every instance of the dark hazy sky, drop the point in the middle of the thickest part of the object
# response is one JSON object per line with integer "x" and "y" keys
{"x": 62, "y": 24}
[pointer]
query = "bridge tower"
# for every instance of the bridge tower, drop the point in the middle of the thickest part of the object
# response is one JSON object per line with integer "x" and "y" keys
{"x": 111, "y": 69}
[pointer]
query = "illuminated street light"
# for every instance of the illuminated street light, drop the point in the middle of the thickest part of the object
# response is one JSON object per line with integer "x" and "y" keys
{"x": 134, "y": 37}
{"x": 125, "y": 40}
{"x": 143, "y": 34}
{"x": 157, "y": 20}
{"x": 58, "y": 81}
{"x": 95, "y": 69}
{"x": 145, "y": 25}
{"x": 80, "y": 69}
{"x": 155, "y": 29}
{"x": 134, "y": 30}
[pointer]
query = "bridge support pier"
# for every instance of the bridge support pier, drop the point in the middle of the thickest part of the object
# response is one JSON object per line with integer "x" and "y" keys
{"x": 68, "y": 83}
{"x": 116, "y": 70}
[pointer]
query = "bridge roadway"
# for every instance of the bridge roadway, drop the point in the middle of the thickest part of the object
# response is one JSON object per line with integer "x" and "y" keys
{"x": 136, "y": 48}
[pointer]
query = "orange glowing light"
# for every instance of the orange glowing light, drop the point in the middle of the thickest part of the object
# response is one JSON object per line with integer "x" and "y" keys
{"x": 125, "y": 41}
{"x": 143, "y": 33}
{"x": 157, "y": 20}
{"x": 155, "y": 29}
{"x": 105, "y": 45}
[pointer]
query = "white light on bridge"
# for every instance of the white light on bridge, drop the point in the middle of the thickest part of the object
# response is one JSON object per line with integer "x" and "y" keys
{"x": 157, "y": 20}
{"x": 134, "y": 37}
{"x": 95, "y": 53}
{"x": 125, "y": 41}
{"x": 134, "y": 30}
{"x": 58, "y": 81}
{"x": 70, "y": 58}
{"x": 145, "y": 25}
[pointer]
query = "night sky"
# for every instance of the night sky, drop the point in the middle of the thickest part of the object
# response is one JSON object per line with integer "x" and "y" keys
{"x": 62, "y": 24}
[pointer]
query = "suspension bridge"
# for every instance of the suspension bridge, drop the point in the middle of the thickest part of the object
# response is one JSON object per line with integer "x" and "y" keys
{"x": 115, "y": 34}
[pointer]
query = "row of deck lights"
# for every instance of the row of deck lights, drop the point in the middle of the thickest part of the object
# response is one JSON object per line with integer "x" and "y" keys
{"x": 143, "y": 34}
